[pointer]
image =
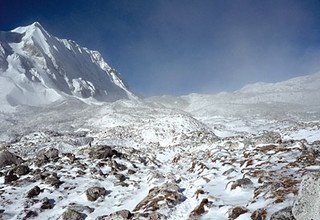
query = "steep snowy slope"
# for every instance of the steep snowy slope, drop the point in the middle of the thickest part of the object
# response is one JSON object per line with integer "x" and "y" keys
{"x": 37, "y": 68}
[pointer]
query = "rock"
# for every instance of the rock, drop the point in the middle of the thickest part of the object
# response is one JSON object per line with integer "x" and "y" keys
{"x": 229, "y": 171}
{"x": 259, "y": 214}
{"x": 198, "y": 192}
{"x": 149, "y": 215}
{"x": 284, "y": 214}
{"x": 10, "y": 177}
{"x": 39, "y": 162}
{"x": 307, "y": 203}
{"x": 21, "y": 170}
{"x": 43, "y": 175}
{"x": 169, "y": 194}
{"x": 46, "y": 155}
{"x": 200, "y": 209}
{"x": 94, "y": 193}
{"x": 49, "y": 154}
{"x": 8, "y": 158}
{"x": 118, "y": 166}
{"x": 102, "y": 152}
{"x": 33, "y": 192}
{"x": 81, "y": 208}
{"x": 80, "y": 141}
{"x": 71, "y": 156}
{"x": 119, "y": 215}
{"x": 268, "y": 138}
{"x": 130, "y": 172}
{"x": 47, "y": 203}
{"x": 30, "y": 214}
{"x": 120, "y": 177}
{"x": 244, "y": 183}
{"x": 71, "y": 214}
{"x": 53, "y": 180}
{"x": 235, "y": 212}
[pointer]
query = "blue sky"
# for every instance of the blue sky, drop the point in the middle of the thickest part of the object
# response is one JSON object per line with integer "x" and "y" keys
{"x": 180, "y": 47}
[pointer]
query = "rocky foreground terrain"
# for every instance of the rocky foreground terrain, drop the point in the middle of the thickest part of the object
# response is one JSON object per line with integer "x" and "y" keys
{"x": 83, "y": 174}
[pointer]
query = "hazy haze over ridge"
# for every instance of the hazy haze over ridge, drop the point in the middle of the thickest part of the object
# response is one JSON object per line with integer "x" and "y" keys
{"x": 180, "y": 47}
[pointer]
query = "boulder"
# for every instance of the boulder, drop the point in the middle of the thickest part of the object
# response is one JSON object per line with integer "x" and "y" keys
{"x": 120, "y": 215}
{"x": 10, "y": 177}
{"x": 120, "y": 177}
{"x": 81, "y": 208}
{"x": 71, "y": 214}
{"x": 199, "y": 210}
{"x": 307, "y": 203}
{"x": 47, "y": 203}
{"x": 8, "y": 158}
{"x": 30, "y": 214}
{"x": 259, "y": 214}
{"x": 149, "y": 215}
{"x": 93, "y": 193}
{"x": 243, "y": 183}
{"x": 33, "y": 192}
{"x": 168, "y": 194}
{"x": 102, "y": 152}
{"x": 235, "y": 212}
{"x": 49, "y": 154}
{"x": 53, "y": 180}
{"x": 21, "y": 170}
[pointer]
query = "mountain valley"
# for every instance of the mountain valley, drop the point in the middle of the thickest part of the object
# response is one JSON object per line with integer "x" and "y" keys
{"x": 77, "y": 143}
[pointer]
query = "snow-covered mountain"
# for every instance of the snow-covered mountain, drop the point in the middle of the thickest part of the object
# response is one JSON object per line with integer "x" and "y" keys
{"x": 300, "y": 94}
{"x": 37, "y": 68}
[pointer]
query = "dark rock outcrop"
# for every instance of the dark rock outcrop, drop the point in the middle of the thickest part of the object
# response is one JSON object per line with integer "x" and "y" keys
{"x": 8, "y": 158}
{"x": 94, "y": 193}
{"x": 33, "y": 192}
{"x": 71, "y": 214}
{"x": 102, "y": 152}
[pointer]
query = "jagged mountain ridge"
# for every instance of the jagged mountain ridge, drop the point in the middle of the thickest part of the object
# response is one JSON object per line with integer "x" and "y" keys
{"x": 37, "y": 68}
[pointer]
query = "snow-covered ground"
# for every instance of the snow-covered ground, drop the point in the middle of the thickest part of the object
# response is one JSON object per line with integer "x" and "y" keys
{"x": 170, "y": 162}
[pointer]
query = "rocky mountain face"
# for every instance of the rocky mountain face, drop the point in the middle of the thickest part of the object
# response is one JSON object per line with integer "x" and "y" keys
{"x": 37, "y": 68}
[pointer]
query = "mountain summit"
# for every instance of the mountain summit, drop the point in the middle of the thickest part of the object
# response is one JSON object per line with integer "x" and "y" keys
{"x": 37, "y": 68}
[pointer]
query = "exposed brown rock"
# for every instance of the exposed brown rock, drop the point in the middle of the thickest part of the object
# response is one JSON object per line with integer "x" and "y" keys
{"x": 200, "y": 209}
{"x": 168, "y": 194}
{"x": 120, "y": 215}
{"x": 259, "y": 214}
{"x": 235, "y": 212}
